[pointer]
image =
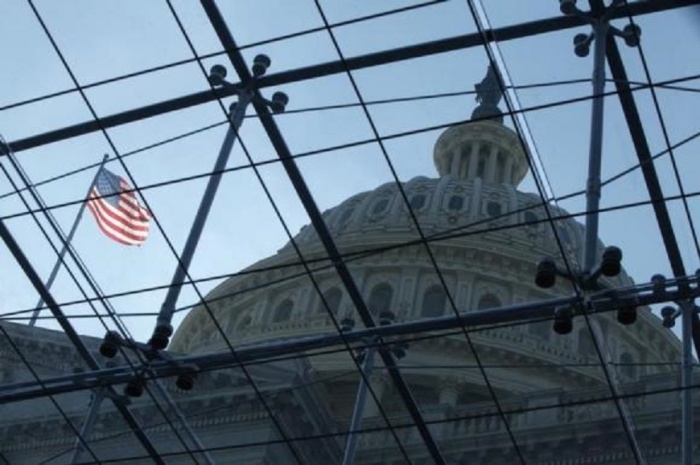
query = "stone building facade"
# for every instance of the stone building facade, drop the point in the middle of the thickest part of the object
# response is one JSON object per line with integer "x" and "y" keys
{"x": 485, "y": 237}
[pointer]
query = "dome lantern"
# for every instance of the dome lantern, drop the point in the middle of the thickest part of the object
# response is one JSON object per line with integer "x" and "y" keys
{"x": 483, "y": 148}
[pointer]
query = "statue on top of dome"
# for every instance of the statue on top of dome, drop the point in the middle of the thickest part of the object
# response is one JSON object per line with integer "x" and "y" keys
{"x": 489, "y": 94}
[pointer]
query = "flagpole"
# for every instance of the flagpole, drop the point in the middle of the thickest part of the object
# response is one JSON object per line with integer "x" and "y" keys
{"x": 66, "y": 243}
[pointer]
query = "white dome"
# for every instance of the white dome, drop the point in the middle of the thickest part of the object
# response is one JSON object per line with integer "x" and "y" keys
{"x": 486, "y": 238}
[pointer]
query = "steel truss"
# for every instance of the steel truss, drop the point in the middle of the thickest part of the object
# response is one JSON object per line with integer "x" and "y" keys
{"x": 682, "y": 289}
{"x": 596, "y": 303}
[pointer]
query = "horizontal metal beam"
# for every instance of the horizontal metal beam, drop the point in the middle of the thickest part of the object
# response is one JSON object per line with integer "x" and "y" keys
{"x": 601, "y": 302}
{"x": 324, "y": 69}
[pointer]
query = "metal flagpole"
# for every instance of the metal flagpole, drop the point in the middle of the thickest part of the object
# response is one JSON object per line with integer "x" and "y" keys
{"x": 66, "y": 242}
{"x": 163, "y": 330}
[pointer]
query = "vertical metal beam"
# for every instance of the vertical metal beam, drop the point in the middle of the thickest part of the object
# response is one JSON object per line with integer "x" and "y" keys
{"x": 183, "y": 421}
{"x": 164, "y": 329}
{"x": 359, "y": 410}
{"x": 687, "y": 308}
{"x": 590, "y": 246}
{"x": 86, "y": 431}
{"x": 691, "y": 321}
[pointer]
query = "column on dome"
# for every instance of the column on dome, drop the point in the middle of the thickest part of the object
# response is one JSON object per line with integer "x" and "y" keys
{"x": 508, "y": 171}
{"x": 407, "y": 291}
{"x": 473, "y": 160}
{"x": 304, "y": 304}
{"x": 259, "y": 311}
{"x": 492, "y": 164}
{"x": 455, "y": 162}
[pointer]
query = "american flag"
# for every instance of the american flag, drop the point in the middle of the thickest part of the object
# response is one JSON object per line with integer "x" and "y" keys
{"x": 113, "y": 203}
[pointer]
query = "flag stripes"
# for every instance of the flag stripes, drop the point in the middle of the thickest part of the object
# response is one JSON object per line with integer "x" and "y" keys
{"x": 116, "y": 210}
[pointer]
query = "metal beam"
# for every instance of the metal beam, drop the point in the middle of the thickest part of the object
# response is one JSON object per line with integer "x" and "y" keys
{"x": 651, "y": 179}
{"x": 319, "y": 224}
{"x": 602, "y": 302}
{"x": 461, "y": 42}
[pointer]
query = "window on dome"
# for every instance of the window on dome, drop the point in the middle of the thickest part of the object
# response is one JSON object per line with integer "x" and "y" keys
{"x": 332, "y": 297}
{"x": 346, "y": 216}
{"x": 493, "y": 208}
{"x": 434, "y": 301}
{"x": 456, "y": 202}
{"x": 380, "y": 206}
{"x": 530, "y": 218}
{"x": 488, "y": 301}
{"x": 627, "y": 367}
{"x": 380, "y": 298}
{"x": 417, "y": 202}
{"x": 243, "y": 323}
{"x": 283, "y": 312}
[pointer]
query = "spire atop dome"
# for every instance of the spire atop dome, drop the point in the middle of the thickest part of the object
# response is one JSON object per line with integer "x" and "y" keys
{"x": 488, "y": 94}
{"x": 483, "y": 149}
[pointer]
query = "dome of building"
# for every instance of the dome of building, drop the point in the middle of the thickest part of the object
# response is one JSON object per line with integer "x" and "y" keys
{"x": 483, "y": 234}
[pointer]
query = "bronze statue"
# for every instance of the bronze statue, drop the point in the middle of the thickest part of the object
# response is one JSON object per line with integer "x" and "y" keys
{"x": 488, "y": 94}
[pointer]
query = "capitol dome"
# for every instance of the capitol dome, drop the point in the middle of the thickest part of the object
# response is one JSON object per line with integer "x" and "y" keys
{"x": 484, "y": 235}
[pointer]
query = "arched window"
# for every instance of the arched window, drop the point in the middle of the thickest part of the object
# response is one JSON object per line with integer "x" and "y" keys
{"x": 283, "y": 312}
{"x": 345, "y": 216}
{"x": 380, "y": 298}
{"x": 586, "y": 347}
{"x": 493, "y": 209}
{"x": 433, "y": 301}
{"x": 488, "y": 301}
{"x": 627, "y": 367}
{"x": 243, "y": 323}
{"x": 380, "y": 206}
{"x": 531, "y": 219}
{"x": 456, "y": 203}
{"x": 417, "y": 202}
{"x": 332, "y": 297}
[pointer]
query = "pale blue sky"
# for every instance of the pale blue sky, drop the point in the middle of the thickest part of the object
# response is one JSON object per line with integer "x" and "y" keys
{"x": 102, "y": 40}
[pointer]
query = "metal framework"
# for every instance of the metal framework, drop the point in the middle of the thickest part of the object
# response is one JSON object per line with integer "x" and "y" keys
{"x": 682, "y": 289}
